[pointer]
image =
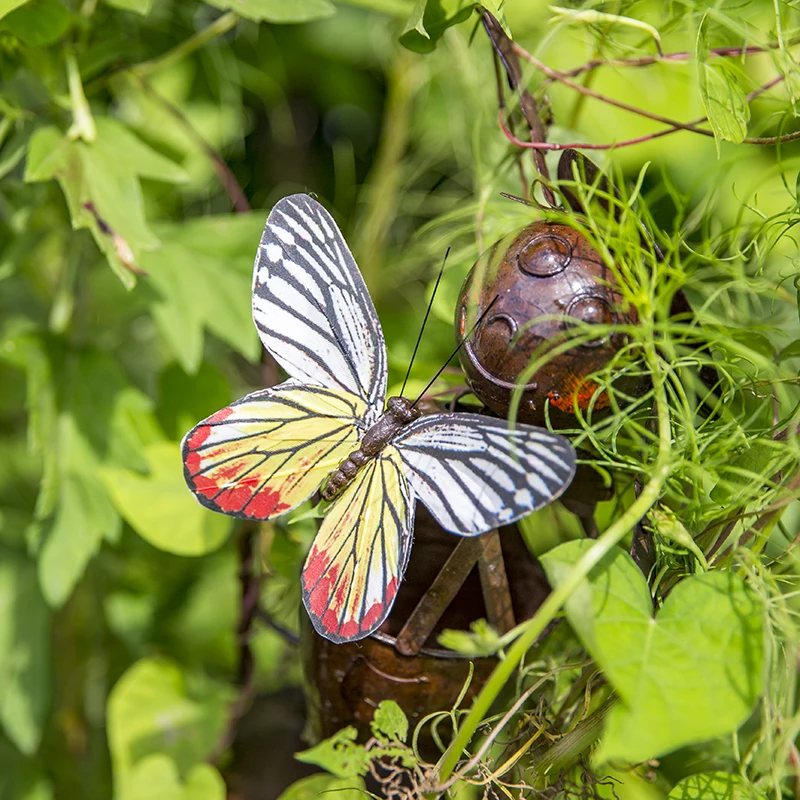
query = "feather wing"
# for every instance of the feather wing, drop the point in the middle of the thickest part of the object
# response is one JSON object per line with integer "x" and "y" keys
{"x": 311, "y": 306}
{"x": 475, "y": 473}
{"x": 268, "y": 452}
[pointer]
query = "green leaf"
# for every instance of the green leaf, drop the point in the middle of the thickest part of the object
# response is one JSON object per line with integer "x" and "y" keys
{"x": 160, "y": 507}
{"x": 205, "y": 284}
{"x": 20, "y": 778}
{"x": 667, "y": 524}
{"x": 791, "y": 350}
{"x": 85, "y": 516}
{"x": 7, "y": 6}
{"x": 142, "y": 7}
{"x": 186, "y": 399}
{"x": 103, "y": 421}
{"x": 278, "y": 11}
{"x": 481, "y": 640}
{"x": 592, "y": 17}
{"x": 683, "y": 677}
{"x": 744, "y": 476}
{"x": 723, "y": 98}
{"x": 154, "y": 708}
{"x": 317, "y": 787}
{"x": 39, "y": 22}
{"x": 156, "y": 778}
{"x": 430, "y": 19}
{"x": 495, "y": 8}
{"x": 105, "y": 177}
{"x": 714, "y": 786}
{"x": 389, "y": 722}
{"x": 24, "y": 653}
{"x": 339, "y": 754}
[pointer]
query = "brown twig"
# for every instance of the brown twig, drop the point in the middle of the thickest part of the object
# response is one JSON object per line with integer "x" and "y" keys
{"x": 674, "y": 125}
{"x": 224, "y": 174}
{"x": 504, "y": 48}
{"x": 646, "y": 61}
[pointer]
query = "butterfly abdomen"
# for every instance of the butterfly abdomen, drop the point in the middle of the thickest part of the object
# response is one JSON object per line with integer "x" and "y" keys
{"x": 399, "y": 412}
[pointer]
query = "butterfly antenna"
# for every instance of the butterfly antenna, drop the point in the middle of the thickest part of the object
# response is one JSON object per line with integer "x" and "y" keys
{"x": 427, "y": 313}
{"x": 460, "y": 345}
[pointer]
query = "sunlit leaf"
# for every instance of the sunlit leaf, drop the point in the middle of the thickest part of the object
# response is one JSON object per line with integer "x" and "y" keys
{"x": 278, "y": 11}
{"x": 590, "y": 16}
{"x": 714, "y": 786}
{"x": 389, "y": 721}
{"x": 723, "y": 98}
{"x": 156, "y": 777}
{"x": 161, "y": 509}
{"x": 155, "y": 707}
{"x": 430, "y": 19}
{"x": 7, "y": 6}
{"x": 339, "y": 754}
{"x": 203, "y": 273}
{"x": 142, "y": 7}
{"x": 38, "y": 22}
{"x": 101, "y": 185}
{"x": 319, "y": 786}
{"x": 682, "y": 677}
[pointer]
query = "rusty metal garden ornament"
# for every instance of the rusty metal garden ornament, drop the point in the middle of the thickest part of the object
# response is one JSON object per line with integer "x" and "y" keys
{"x": 547, "y": 279}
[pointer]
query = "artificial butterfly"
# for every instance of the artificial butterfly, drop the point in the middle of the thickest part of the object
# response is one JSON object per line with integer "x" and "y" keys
{"x": 326, "y": 427}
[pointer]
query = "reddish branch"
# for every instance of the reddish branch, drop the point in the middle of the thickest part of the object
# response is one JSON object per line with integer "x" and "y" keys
{"x": 673, "y": 125}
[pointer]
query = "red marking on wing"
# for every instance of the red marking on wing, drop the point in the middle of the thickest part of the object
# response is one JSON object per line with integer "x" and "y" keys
{"x": 349, "y": 630}
{"x": 266, "y": 503}
{"x": 234, "y": 498}
{"x": 330, "y": 622}
{"x": 391, "y": 590}
{"x": 193, "y": 462}
{"x": 201, "y": 433}
{"x": 222, "y": 414}
{"x": 372, "y": 616}
{"x": 208, "y": 487}
{"x": 315, "y": 566}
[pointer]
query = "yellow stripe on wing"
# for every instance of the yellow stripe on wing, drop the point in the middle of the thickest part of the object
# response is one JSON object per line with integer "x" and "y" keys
{"x": 352, "y": 572}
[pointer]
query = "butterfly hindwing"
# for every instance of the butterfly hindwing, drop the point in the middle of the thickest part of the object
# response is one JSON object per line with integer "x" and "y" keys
{"x": 358, "y": 558}
{"x": 268, "y": 452}
{"x": 311, "y": 307}
{"x": 475, "y": 473}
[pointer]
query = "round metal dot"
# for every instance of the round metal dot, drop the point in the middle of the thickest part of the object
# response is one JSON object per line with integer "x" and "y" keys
{"x": 592, "y": 310}
{"x": 545, "y": 255}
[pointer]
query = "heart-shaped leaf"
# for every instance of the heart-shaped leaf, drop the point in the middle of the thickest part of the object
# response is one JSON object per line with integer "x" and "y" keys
{"x": 690, "y": 674}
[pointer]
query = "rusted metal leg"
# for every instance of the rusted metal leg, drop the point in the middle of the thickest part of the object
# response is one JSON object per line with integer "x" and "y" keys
{"x": 444, "y": 588}
{"x": 494, "y": 582}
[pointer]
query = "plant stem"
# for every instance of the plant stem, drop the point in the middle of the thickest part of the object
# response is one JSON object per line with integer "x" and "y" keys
{"x": 218, "y": 27}
{"x": 530, "y": 631}
{"x": 383, "y": 182}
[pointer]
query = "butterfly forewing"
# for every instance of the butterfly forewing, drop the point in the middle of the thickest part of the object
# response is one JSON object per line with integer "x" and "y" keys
{"x": 359, "y": 556}
{"x": 268, "y": 452}
{"x": 475, "y": 473}
{"x": 311, "y": 307}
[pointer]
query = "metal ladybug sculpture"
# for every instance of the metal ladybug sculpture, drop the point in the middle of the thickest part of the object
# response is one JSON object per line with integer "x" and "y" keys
{"x": 546, "y": 278}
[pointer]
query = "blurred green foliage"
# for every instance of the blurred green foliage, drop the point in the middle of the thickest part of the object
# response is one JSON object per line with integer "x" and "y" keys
{"x": 135, "y": 135}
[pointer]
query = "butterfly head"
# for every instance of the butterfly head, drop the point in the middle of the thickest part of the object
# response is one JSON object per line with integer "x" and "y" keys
{"x": 402, "y": 410}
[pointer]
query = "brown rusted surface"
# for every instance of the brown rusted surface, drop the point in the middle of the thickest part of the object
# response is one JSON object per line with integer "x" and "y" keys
{"x": 545, "y": 278}
{"x": 346, "y": 682}
{"x": 439, "y": 595}
{"x": 494, "y": 583}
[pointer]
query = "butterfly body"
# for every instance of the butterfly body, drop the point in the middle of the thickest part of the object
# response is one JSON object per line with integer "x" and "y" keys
{"x": 399, "y": 413}
{"x": 326, "y": 429}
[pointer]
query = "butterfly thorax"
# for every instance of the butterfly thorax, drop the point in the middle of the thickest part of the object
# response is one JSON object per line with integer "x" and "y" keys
{"x": 399, "y": 412}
